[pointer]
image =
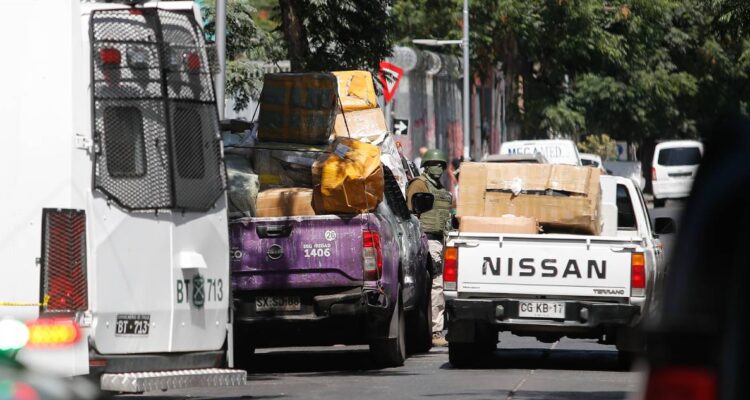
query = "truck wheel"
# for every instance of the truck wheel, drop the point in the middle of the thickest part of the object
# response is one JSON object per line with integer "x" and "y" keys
{"x": 391, "y": 352}
{"x": 625, "y": 359}
{"x": 463, "y": 355}
{"x": 243, "y": 351}
{"x": 419, "y": 324}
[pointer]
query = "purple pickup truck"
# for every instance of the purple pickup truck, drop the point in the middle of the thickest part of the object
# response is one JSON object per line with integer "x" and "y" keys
{"x": 333, "y": 279}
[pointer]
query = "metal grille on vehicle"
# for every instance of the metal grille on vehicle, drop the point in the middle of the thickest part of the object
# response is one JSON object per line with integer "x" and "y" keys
{"x": 157, "y": 135}
{"x": 64, "y": 283}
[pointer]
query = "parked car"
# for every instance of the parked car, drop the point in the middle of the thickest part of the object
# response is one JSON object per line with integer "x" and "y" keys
{"x": 593, "y": 160}
{"x": 334, "y": 279}
{"x": 673, "y": 168}
{"x": 698, "y": 349}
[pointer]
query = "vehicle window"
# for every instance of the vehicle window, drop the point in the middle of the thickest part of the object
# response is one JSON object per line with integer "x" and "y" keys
{"x": 625, "y": 213}
{"x": 587, "y": 162}
{"x": 680, "y": 156}
{"x": 123, "y": 142}
{"x": 394, "y": 196}
{"x": 189, "y": 144}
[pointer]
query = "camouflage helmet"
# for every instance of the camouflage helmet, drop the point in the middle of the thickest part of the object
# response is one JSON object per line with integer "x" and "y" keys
{"x": 434, "y": 155}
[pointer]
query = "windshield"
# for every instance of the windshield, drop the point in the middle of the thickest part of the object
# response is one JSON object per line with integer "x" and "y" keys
{"x": 585, "y": 161}
{"x": 679, "y": 156}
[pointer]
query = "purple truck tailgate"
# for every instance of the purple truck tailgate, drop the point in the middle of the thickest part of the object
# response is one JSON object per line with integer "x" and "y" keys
{"x": 298, "y": 252}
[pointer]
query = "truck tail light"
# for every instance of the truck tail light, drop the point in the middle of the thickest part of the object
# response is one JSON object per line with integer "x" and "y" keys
{"x": 193, "y": 61}
{"x": 681, "y": 383}
{"x": 372, "y": 255}
{"x": 64, "y": 280}
{"x": 653, "y": 173}
{"x": 52, "y": 332}
{"x": 110, "y": 57}
{"x": 637, "y": 274}
{"x": 450, "y": 268}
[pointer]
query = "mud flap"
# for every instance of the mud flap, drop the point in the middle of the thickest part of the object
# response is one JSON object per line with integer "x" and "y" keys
{"x": 462, "y": 331}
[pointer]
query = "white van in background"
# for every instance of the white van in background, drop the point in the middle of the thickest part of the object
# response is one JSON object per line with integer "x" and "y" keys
{"x": 673, "y": 169}
{"x": 556, "y": 151}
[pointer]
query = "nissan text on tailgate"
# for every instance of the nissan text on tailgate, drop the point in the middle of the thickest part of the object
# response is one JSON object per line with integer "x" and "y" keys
{"x": 553, "y": 285}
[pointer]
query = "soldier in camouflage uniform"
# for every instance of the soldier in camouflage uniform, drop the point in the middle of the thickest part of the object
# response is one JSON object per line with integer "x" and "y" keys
{"x": 434, "y": 224}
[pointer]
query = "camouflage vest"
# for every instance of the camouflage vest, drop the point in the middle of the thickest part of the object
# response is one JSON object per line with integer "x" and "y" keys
{"x": 437, "y": 219}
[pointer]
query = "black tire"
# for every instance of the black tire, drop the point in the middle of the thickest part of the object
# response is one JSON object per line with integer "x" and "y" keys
{"x": 243, "y": 351}
{"x": 463, "y": 355}
{"x": 392, "y": 352}
{"x": 419, "y": 323}
{"x": 659, "y": 202}
{"x": 625, "y": 359}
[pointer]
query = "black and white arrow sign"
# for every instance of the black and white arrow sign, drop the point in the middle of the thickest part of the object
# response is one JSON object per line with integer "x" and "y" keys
{"x": 401, "y": 126}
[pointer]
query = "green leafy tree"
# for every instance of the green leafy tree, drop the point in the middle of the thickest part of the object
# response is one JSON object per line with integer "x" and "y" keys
{"x": 326, "y": 35}
{"x": 601, "y": 145}
{"x": 248, "y": 47}
{"x": 636, "y": 69}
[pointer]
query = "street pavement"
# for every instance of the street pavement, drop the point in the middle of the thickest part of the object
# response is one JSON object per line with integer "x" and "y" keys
{"x": 520, "y": 369}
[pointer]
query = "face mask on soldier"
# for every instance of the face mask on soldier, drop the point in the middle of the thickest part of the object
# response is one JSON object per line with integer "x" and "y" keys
{"x": 435, "y": 171}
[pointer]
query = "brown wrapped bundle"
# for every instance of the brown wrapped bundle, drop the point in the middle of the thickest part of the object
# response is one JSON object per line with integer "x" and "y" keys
{"x": 349, "y": 180}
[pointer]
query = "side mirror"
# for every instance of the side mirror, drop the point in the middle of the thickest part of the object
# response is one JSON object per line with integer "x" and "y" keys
{"x": 664, "y": 226}
{"x": 422, "y": 202}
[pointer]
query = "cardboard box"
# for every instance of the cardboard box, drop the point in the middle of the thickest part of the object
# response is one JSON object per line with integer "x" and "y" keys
{"x": 562, "y": 198}
{"x": 356, "y": 90}
{"x": 362, "y": 124}
{"x": 286, "y": 202}
{"x": 503, "y": 224}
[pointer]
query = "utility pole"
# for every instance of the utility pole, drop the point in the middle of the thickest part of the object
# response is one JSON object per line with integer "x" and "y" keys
{"x": 221, "y": 52}
{"x": 467, "y": 86}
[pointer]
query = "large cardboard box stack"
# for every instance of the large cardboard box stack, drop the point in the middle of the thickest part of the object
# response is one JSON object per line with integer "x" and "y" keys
{"x": 562, "y": 198}
{"x": 297, "y": 108}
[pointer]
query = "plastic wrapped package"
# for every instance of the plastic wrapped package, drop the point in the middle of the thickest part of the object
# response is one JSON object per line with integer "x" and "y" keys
{"x": 285, "y": 164}
{"x": 349, "y": 180}
{"x": 389, "y": 156}
{"x": 243, "y": 185}
{"x": 297, "y": 108}
{"x": 356, "y": 90}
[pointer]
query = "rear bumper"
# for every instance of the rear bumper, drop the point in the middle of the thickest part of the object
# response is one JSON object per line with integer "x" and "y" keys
{"x": 125, "y": 363}
{"x": 346, "y": 317}
{"x": 581, "y": 318}
{"x": 671, "y": 189}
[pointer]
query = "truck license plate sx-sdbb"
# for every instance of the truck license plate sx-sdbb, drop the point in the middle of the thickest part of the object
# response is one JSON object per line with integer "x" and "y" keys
{"x": 273, "y": 303}
{"x": 541, "y": 309}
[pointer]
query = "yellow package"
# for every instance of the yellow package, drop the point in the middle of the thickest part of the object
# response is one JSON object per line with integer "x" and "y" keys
{"x": 356, "y": 90}
{"x": 349, "y": 180}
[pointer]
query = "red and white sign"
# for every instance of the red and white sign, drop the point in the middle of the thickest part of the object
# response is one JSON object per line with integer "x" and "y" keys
{"x": 390, "y": 76}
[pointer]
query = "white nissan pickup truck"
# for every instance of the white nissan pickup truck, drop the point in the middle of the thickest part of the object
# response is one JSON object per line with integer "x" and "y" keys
{"x": 554, "y": 285}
